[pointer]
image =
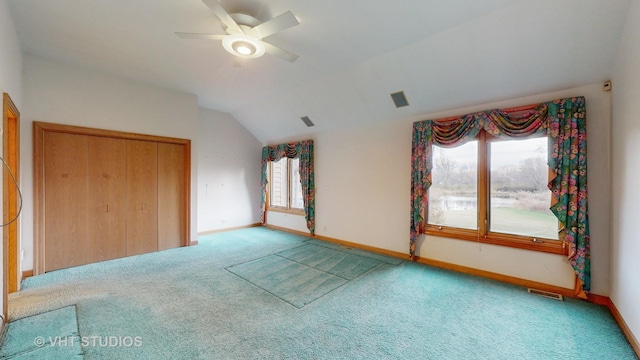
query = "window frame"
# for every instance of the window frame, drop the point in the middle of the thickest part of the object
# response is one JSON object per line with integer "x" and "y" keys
{"x": 483, "y": 234}
{"x": 283, "y": 209}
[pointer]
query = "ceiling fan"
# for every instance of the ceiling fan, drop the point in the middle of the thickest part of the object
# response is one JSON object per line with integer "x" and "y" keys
{"x": 245, "y": 33}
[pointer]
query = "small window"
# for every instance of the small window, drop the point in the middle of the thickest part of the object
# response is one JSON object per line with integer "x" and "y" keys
{"x": 285, "y": 190}
{"x": 279, "y": 183}
{"x": 295, "y": 185}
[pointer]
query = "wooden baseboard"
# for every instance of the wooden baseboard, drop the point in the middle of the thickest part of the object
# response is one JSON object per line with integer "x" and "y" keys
{"x": 27, "y": 273}
{"x": 598, "y": 299}
{"x": 625, "y": 328}
{"x": 274, "y": 227}
{"x": 193, "y": 242}
{"x": 226, "y": 229}
{"x": 499, "y": 277}
{"x": 373, "y": 249}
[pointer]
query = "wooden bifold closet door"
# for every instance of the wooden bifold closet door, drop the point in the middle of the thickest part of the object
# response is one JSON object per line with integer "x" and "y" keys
{"x": 102, "y": 195}
{"x": 142, "y": 197}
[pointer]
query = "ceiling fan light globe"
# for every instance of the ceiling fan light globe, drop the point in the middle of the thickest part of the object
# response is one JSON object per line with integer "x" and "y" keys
{"x": 243, "y": 46}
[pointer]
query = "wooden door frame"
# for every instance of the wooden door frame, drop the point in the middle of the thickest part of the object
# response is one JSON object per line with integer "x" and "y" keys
{"x": 39, "y": 130}
{"x": 10, "y": 196}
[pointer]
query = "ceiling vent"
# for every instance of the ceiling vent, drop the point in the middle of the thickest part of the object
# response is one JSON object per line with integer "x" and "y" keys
{"x": 399, "y": 99}
{"x": 307, "y": 121}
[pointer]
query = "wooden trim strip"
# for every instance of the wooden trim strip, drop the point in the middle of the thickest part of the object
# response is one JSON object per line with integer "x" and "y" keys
{"x": 225, "y": 230}
{"x": 79, "y": 130}
{"x": 635, "y": 344}
{"x": 27, "y": 273}
{"x": 550, "y": 246}
{"x": 598, "y": 299}
{"x": 38, "y": 199}
{"x": 297, "y": 232}
{"x": 285, "y": 210}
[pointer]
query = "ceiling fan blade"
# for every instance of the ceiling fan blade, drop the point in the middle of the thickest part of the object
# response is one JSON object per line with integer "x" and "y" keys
{"x": 197, "y": 36}
{"x": 281, "y": 53}
{"x": 277, "y": 24}
{"x": 223, "y": 15}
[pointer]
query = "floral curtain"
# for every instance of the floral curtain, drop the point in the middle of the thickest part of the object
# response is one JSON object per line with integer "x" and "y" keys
{"x": 302, "y": 150}
{"x": 564, "y": 123}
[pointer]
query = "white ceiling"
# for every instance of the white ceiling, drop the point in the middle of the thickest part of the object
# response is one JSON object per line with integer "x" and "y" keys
{"x": 353, "y": 53}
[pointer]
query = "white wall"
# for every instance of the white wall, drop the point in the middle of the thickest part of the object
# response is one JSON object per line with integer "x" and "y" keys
{"x": 10, "y": 81}
{"x": 625, "y": 238}
{"x": 228, "y": 173}
{"x": 60, "y": 93}
{"x": 363, "y": 187}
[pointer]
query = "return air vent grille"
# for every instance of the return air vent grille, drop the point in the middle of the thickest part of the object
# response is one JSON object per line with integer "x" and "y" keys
{"x": 307, "y": 121}
{"x": 399, "y": 99}
{"x": 546, "y": 294}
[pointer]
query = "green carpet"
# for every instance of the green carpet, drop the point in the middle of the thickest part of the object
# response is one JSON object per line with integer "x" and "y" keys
{"x": 217, "y": 300}
{"x": 50, "y": 335}
{"x": 292, "y": 282}
{"x": 338, "y": 263}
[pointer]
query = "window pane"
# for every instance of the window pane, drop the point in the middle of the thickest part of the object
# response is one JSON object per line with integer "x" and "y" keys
{"x": 278, "y": 195}
{"x": 519, "y": 196}
{"x": 296, "y": 187}
{"x": 453, "y": 195}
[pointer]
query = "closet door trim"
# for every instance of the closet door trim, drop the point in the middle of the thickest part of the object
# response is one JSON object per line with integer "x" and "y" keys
{"x": 39, "y": 130}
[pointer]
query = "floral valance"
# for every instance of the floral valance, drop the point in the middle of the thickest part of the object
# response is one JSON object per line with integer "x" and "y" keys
{"x": 302, "y": 150}
{"x": 564, "y": 123}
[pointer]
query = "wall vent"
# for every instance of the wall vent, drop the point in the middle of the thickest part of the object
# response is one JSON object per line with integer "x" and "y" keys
{"x": 307, "y": 121}
{"x": 399, "y": 99}
{"x": 546, "y": 294}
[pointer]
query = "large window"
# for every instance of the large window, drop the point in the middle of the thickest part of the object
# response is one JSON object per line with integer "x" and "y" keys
{"x": 285, "y": 190}
{"x": 494, "y": 190}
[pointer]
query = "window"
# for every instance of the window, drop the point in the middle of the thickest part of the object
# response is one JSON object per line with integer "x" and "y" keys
{"x": 285, "y": 191}
{"x": 453, "y": 195}
{"x": 494, "y": 191}
{"x": 518, "y": 192}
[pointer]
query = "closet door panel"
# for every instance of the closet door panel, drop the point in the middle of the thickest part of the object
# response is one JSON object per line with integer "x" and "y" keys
{"x": 142, "y": 197}
{"x": 65, "y": 172}
{"x": 107, "y": 181}
{"x": 171, "y": 196}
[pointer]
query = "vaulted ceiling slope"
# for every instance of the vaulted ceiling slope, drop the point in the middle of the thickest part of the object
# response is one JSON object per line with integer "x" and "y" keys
{"x": 443, "y": 53}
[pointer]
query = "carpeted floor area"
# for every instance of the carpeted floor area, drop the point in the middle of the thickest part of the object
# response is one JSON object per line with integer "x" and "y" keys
{"x": 260, "y": 293}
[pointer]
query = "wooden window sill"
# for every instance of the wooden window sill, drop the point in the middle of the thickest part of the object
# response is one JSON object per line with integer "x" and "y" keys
{"x": 286, "y": 211}
{"x": 514, "y": 241}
